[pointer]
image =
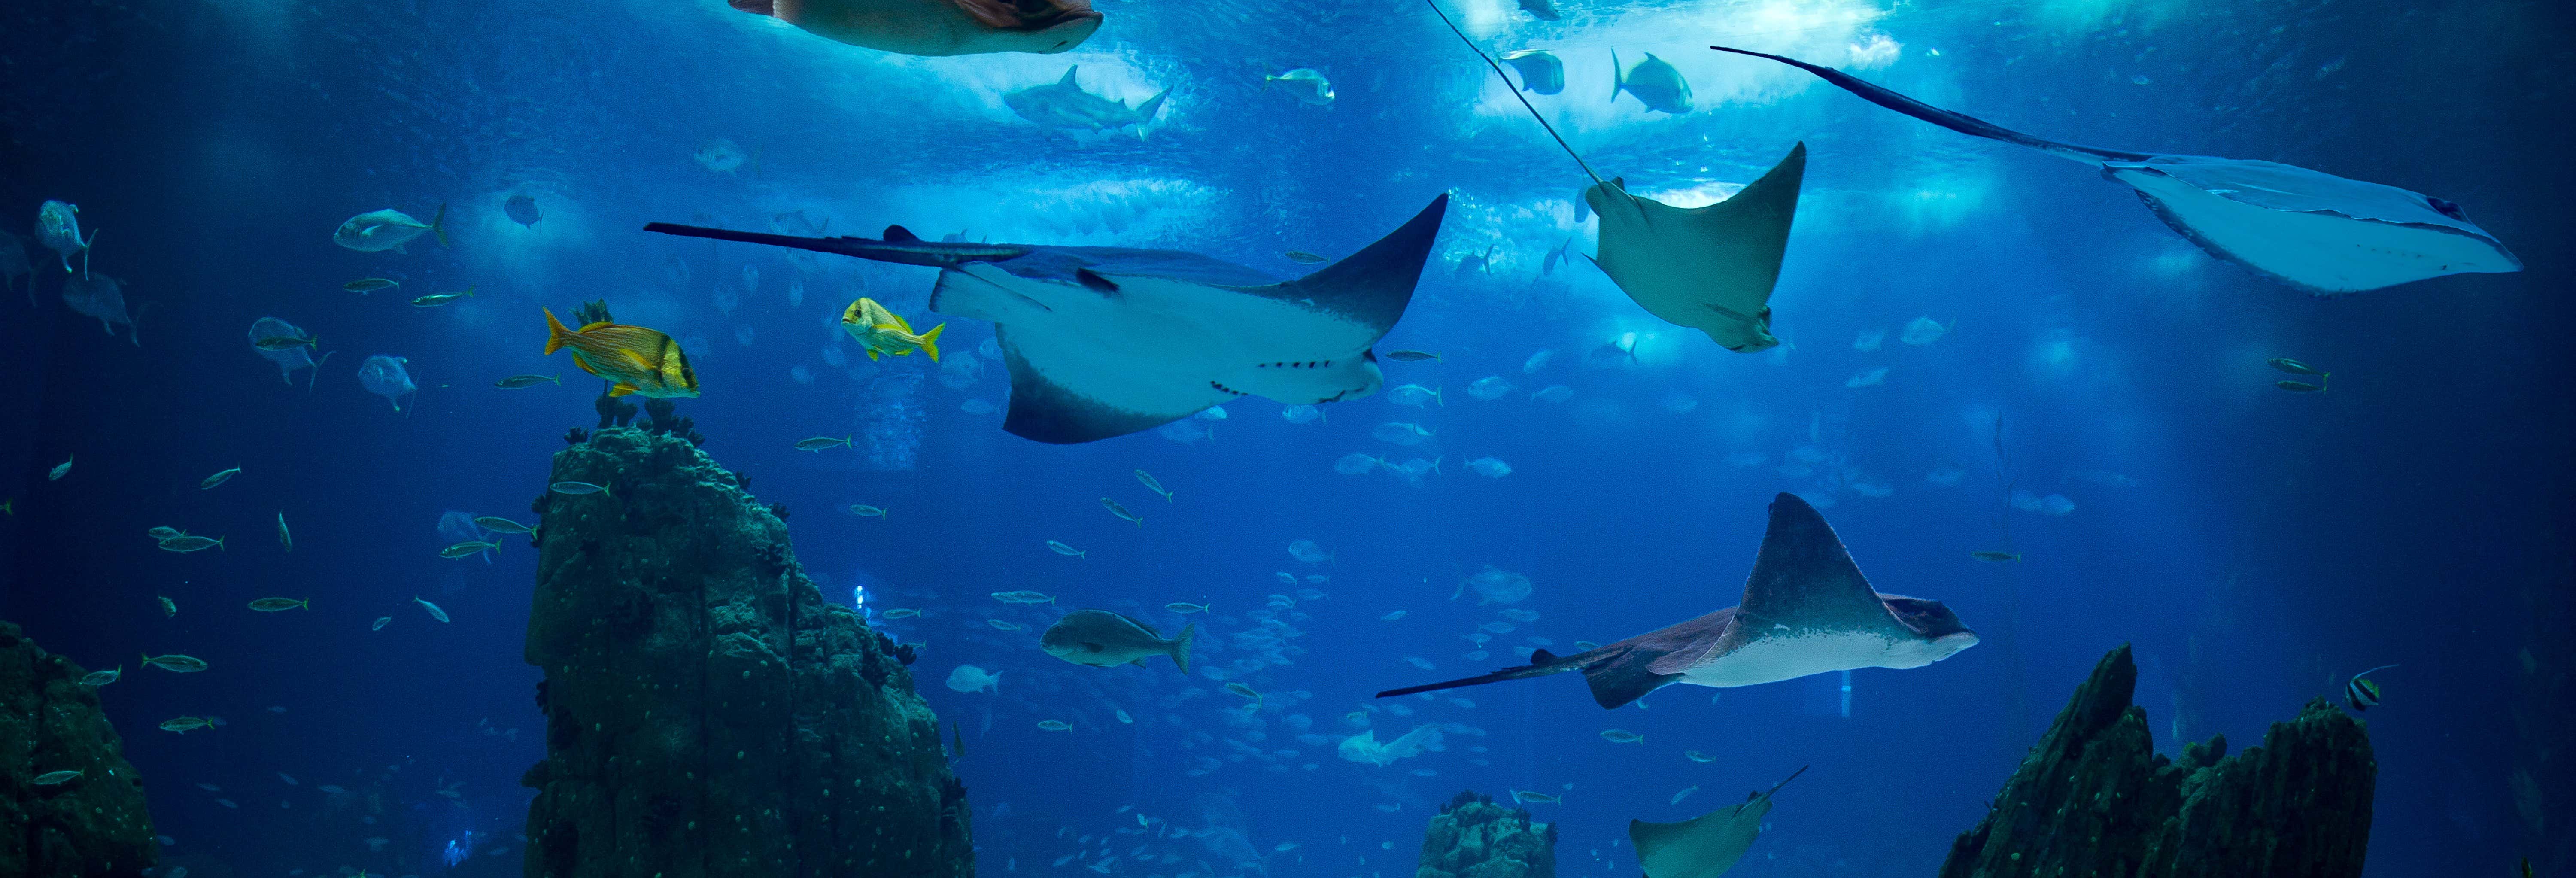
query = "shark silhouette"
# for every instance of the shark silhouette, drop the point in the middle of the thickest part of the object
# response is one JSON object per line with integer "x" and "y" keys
{"x": 1107, "y": 341}
{"x": 1063, "y": 104}
{"x": 2309, "y": 229}
{"x": 1807, "y": 610}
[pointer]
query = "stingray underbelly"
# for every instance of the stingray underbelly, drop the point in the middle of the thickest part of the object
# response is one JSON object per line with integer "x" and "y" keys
{"x": 910, "y": 27}
{"x": 1787, "y": 656}
{"x": 2321, "y": 252}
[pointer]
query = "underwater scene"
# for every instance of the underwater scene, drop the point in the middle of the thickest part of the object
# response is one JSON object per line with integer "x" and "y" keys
{"x": 1350, "y": 439}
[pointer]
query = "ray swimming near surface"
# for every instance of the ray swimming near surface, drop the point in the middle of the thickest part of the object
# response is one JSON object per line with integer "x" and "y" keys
{"x": 2309, "y": 229}
{"x": 1807, "y": 610}
{"x": 1709, "y": 268}
{"x": 1107, "y": 341}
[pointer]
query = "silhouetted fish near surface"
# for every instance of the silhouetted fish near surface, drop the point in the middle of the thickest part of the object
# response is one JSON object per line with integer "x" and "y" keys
{"x": 2308, "y": 229}
{"x": 1655, "y": 82}
{"x": 939, "y": 27}
{"x": 522, "y": 209}
{"x": 1540, "y": 9}
{"x": 1807, "y": 610}
{"x": 1541, "y": 71}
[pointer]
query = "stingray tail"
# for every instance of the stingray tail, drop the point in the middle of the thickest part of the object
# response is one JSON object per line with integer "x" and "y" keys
{"x": 1959, "y": 122}
{"x": 1543, "y": 664}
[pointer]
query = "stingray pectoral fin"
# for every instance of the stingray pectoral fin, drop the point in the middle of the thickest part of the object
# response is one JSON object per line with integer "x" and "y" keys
{"x": 1709, "y": 268}
{"x": 1371, "y": 287}
{"x": 1959, "y": 122}
{"x": 2313, "y": 230}
{"x": 1804, "y": 579}
{"x": 1069, "y": 387}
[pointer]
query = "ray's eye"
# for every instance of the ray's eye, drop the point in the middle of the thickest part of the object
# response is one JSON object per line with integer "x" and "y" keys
{"x": 2447, "y": 208}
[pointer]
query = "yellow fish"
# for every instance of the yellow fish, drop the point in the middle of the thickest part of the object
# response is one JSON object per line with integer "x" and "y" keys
{"x": 879, "y": 331}
{"x": 641, "y": 361}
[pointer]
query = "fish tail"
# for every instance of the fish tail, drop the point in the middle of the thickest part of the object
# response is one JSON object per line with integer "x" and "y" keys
{"x": 930, "y": 341}
{"x": 556, "y": 335}
{"x": 85, "y": 245}
{"x": 1181, "y": 646}
{"x": 437, "y": 224}
{"x": 1618, "y": 76}
{"x": 1436, "y": 397}
{"x": 469, "y": 292}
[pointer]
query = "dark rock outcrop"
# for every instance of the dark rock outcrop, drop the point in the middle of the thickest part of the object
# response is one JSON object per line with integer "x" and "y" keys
{"x": 2094, "y": 799}
{"x": 94, "y": 825}
{"x": 1474, "y": 838}
{"x": 707, "y": 712}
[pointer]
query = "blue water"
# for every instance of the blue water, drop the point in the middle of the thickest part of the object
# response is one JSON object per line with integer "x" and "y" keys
{"x": 2256, "y": 546}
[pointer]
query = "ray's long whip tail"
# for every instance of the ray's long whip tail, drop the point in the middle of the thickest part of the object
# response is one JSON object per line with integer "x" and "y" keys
{"x": 1515, "y": 90}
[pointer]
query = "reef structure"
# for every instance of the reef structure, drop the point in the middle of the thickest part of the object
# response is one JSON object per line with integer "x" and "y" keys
{"x": 1472, "y": 837}
{"x": 2094, "y": 798}
{"x": 708, "y": 714}
{"x": 91, "y": 825}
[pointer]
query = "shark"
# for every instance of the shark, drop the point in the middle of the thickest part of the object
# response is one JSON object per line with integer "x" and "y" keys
{"x": 2308, "y": 229}
{"x": 1707, "y": 845}
{"x": 1709, "y": 268}
{"x": 1063, "y": 104}
{"x": 1807, "y": 610}
{"x": 939, "y": 27}
{"x": 1106, "y": 341}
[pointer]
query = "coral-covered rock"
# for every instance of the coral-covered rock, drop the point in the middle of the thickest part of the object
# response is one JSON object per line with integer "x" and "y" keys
{"x": 93, "y": 825}
{"x": 1474, "y": 838}
{"x": 707, "y": 712}
{"x": 2094, "y": 799}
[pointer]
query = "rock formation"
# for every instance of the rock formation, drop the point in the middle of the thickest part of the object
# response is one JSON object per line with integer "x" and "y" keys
{"x": 707, "y": 712}
{"x": 1474, "y": 838}
{"x": 91, "y": 826}
{"x": 2094, "y": 799}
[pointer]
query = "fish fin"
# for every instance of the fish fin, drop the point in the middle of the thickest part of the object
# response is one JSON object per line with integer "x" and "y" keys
{"x": 1181, "y": 646}
{"x": 1618, "y": 76}
{"x": 1068, "y": 76}
{"x": 930, "y": 342}
{"x": 1145, "y": 112}
{"x": 899, "y": 234}
{"x": 637, "y": 359}
{"x": 871, "y": 352}
{"x": 557, "y": 336}
{"x": 596, "y": 324}
{"x": 621, "y": 389}
{"x": 1805, "y": 579}
{"x": 437, "y": 224}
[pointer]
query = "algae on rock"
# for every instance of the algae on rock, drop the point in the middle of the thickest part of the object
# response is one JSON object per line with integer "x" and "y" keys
{"x": 707, "y": 712}
{"x": 93, "y": 825}
{"x": 2094, "y": 799}
{"x": 1474, "y": 838}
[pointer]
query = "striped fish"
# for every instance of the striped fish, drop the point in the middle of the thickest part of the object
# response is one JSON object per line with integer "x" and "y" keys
{"x": 2362, "y": 692}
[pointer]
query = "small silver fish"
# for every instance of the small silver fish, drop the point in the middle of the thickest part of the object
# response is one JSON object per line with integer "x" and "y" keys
{"x": 433, "y": 301}
{"x": 1991, "y": 556}
{"x": 863, "y": 510}
{"x": 1302, "y": 257}
{"x": 2299, "y": 386}
{"x": 101, "y": 678}
{"x": 1023, "y": 597}
{"x": 1000, "y": 625}
{"x": 176, "y": 663}
{"x": 365, "y": 285}
{"x": 579, "y": 488}
{"x": 218, "y": 479}
{"x": 1621, "y": 736}
{"x": 468, "y": 548}
{"x": 1409, "y": 356}
{"x": 286, "y": 343}
{"x": 56, "y": 778}
{"x": 497, "y": 524}
{"x": 1054, "y": 725}
{"x": 515, "y": 382}
{"x": 1150, "y": 484}
{"x": 2294, "y": 367}
{"x": 819, "y": 443}
{"x": 1120, "y": 511}
{"x": 900, "y": 613}
{"x": 1243, "y": 690}
{"x": 273, "y": 605}
{"x": 434, "y": 611}
{"x": 185, "y": 543}
{"x": 168, "y": 607}
{"x": 285, "y": 538}
{"x": 1523, "y": 797}
{"x": 60, "y": 470}
{"x": 1185, "y": 609}
{"x": 380, "y": 623}
{"x": 1069, "y": 551}
{"x": 165, "y": 532}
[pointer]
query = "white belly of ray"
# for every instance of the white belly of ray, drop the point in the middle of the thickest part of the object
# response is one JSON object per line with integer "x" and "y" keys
{"x": 2323, "y": 252}
{"x": 1161, "y": 346}
{"x": 1785, "y": 656}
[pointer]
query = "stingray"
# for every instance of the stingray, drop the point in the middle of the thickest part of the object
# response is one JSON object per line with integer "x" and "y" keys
{"x": 1107, "y": 341}
{"x": 1708, "y": 268}
{"x": 1807, "y": 610}
{"x": 2308, "y": 229}
{"x": 1707, "y": 845}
